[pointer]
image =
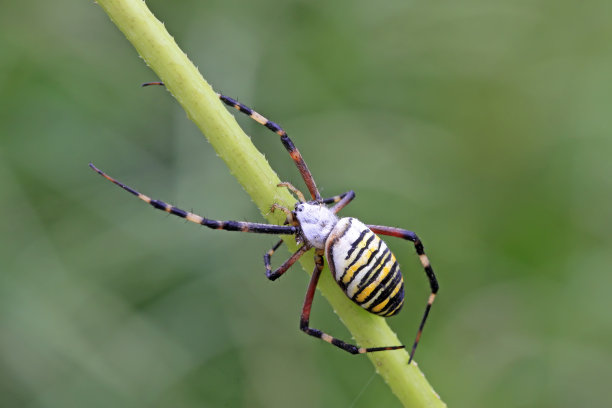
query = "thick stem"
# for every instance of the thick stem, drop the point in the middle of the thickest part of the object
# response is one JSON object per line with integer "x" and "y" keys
{"x": 248, "y": 165}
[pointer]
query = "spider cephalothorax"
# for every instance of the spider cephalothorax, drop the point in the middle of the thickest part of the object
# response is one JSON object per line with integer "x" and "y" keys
{"x": 316, "y": 222}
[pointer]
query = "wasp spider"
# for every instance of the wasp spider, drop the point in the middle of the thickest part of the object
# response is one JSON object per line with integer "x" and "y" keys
{"x": 360, "y": 262}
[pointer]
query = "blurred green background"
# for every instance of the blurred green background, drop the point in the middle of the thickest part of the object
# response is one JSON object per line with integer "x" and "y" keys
{"x": 483, "y": 126}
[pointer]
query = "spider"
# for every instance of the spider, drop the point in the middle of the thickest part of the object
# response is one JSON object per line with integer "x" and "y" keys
{"x": 360, "y": 262}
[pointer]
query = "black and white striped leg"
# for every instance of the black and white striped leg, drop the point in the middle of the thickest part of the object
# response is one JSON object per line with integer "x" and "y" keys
{"x": 343, "y": 201}
{"x": 214, "y": 224}
{"x": 293, "y": 151}
{"x": 286, "y": 265}
{"x": 334, "y": 199}
{"x": 433, "y": 282}
{"x": 305, "y": 317}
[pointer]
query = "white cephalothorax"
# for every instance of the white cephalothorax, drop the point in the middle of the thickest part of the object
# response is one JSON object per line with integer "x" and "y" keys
{"x": 316, "y": 221}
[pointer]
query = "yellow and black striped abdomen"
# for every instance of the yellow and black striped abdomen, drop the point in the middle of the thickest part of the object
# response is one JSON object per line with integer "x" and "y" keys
{"x": 365, "y": 268}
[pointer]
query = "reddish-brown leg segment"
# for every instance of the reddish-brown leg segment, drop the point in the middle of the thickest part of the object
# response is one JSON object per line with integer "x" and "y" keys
{"x": 286, "y": 265}
{"x": 305, "y": 318}
{"x": 293, "y": 151}
{"x": 343, "y": 201}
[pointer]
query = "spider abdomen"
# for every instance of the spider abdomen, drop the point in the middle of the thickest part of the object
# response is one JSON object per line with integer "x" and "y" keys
{"x": 365, "y": 268}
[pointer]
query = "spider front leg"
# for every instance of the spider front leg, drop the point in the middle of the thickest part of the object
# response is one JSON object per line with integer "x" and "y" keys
{"x": 305, "y": 317}
{"x": 433, "y": 282}
{"x": 295, "y": 154}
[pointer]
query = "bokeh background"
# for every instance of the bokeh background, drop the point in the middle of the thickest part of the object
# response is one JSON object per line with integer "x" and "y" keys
{"x": 484, "y": 126}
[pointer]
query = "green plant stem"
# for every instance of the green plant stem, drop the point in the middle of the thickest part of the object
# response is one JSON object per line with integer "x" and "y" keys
{"x": 248, "y": 165}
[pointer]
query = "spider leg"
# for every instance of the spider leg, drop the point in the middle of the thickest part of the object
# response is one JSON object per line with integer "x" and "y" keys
{"x": 341, "y": 201}
{"x": 286, "y": 265}
{"x": 293, "y": 151}
{"x": 214, "y": 224}
{"x": 268, "y": 255}
{"x": 294, "y": 190}
{"x": 433, "y": 283}
{"x": 334, "y": 199}
{"x": 289, "y": 219}
{"x": 305, "y": 317}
